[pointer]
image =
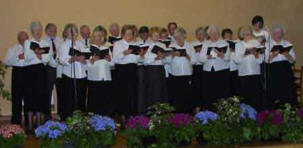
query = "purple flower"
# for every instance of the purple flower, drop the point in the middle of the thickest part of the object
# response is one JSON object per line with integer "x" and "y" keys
{"x": 248, "y": 111}
{"x": 273, "y": 116}
{"x": 180, "y": 119}
{"x": 301, "y": 113}
{"x": 205, "y": 116}
{"x": 138, "y": 121}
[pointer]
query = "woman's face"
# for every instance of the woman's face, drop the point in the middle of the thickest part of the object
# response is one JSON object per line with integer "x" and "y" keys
{"x": 71, "y": 35}
{"x": 37, "y": 33}
{"x": 164, "y": 36}
{"x": 155, "y": 36}
{"x": 213, "y": 35}
{"x": 179, "y": 38}
{"x": 129, "y": 35}
{"x": 99, "y": 39}
{"x": 278, "y": 35}
{"x": 200, "y": 36}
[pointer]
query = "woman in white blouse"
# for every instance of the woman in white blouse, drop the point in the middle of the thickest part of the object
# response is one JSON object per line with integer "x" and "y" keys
{"x": 73, "y": 73}
{"x": 126, "y": 60}
{"x": 215, "y": 58}
{"x": 99, "y": 74}
{"x": 198, "y": 66}
{"x": 249, "y": 59}
{"x": 280, "y": 74}
{"x": 156, "y": 90}
{"x": 181, "y": 62}
{"x": 35, "y": 60}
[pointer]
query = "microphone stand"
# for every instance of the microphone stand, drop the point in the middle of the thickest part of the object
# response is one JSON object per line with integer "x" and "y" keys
{"x": 73, "y": 70}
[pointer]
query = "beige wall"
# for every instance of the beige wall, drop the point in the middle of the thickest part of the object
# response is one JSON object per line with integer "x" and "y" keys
{"x": 16, "y": 15}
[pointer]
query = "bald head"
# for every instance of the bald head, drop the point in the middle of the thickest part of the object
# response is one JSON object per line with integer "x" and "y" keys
{"x": 22, "y": 37}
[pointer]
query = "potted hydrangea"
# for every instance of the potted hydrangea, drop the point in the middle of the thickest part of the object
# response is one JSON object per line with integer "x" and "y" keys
{"x": 51, "y": 134}
{"x": 12, "y": 136}
{"x": 203, "y": 118}
{"x": 269, "y": 125}
{"x": 104, "y": 131}
{"x": 137, "y": 132}
{"x": 184, "y": 131}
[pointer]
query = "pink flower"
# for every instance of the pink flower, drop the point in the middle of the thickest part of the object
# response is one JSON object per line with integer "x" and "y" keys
{"x": 181, "y": 119}
{"x": 8, "y": 131}
{"x": 138, "y": 121}
{"x": 273, "y": 116}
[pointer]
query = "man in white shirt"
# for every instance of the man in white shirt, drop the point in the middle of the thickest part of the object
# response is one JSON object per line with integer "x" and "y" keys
{"x": 85, "y": 34}
{"x": 15, "y": 59}
{"x": 51, "y": 68}
{"x": 114, "y": 30}
{"x": 171, "y": 27}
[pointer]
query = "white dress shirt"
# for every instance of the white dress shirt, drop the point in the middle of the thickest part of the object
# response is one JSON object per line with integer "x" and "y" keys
{"x": 119, "y": 57}
{"x": 150, "y": 57}
{"x": 247, "y": 64}
{"x": 30, "y": 56}
{"x": 181, "y": 66}
{"x": 12, "y": 56}
{"x": 100, "y": 69}
{"x": 232, "y": 65}
{"x": 262, "y": 33}
{"x": 216, "y": 62}
{"x": 280, "y": 57}
{"x": 197, "y": 54}
{"x": 68, "y": 68}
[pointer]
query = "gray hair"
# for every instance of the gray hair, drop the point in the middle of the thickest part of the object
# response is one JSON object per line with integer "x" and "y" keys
{"x": 213, "y": 27}
{"x": 279, "y": 27}
{"x": 182, "y": 32}
{"x": 34, "y": 26}
{"x": 244, "y": 29}
{"x": 200, "y": 30}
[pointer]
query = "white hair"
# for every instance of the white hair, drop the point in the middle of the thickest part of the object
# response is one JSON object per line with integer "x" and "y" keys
{"x": 213, "y": 27}
{"x": 200, "y": 30}
{"x": 279, "y": 27}
{"x": 35, "y": 25}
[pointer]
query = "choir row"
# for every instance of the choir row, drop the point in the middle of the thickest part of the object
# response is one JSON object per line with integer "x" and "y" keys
{"x": 125, "y": 74}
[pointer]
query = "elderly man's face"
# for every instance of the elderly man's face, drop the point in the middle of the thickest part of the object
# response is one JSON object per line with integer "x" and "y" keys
{"x": 52, "y": 32}
{"x": 129, "y": 35}
{"x": 278, "y": 34}
{"x": 23, "y": 36}
{"x": 115, "y": 30}
{"x": 85, "y": 32}
{"x": 172, "y": 28}
{"x": 37, "y": 33}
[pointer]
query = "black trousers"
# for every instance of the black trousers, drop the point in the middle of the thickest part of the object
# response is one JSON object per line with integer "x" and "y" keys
{"x": 126, "y": 89}
{"x": 18, "y": 93}
{"x": 59, "y": 90}
{"x": 50, "y": 82}
{"x": 99, "y": 98}
{"x": 197, "y": 79}
{"x": 70, "y": 102}
{"x": 182, "y": 98}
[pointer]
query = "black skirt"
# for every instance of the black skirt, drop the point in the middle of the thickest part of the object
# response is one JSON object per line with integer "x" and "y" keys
{"x": 141, "y": 101}
{"x": 197, "y": 79}
{"x": 70, "y": 102}
{"x": 156, "y": 90}
{"x": 281, "y": 88}
{"x": 234, "y": 83}
{"x": 251, "y": 91}
{"x": 35, "y": 100}
{"x": 99, "y": 100}
{"x": 216, "y": 85}
{"x": 126, "y": 89}
{"x": 181, "y": 89}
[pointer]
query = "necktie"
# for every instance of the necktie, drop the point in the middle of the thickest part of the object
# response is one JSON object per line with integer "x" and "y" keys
{"x": 86, "y": 44}
{"x": 54, "y": 48}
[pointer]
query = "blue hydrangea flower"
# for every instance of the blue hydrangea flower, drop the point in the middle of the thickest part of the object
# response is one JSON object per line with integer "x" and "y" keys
{"x": 204, "y": 116}
{"x": 100, "y": 123}
{"x": 51, "y": 130}
{"x": 248, "y": 111}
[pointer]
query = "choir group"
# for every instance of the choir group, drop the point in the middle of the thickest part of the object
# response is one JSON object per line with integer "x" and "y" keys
{"x": 125, "y": 72}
